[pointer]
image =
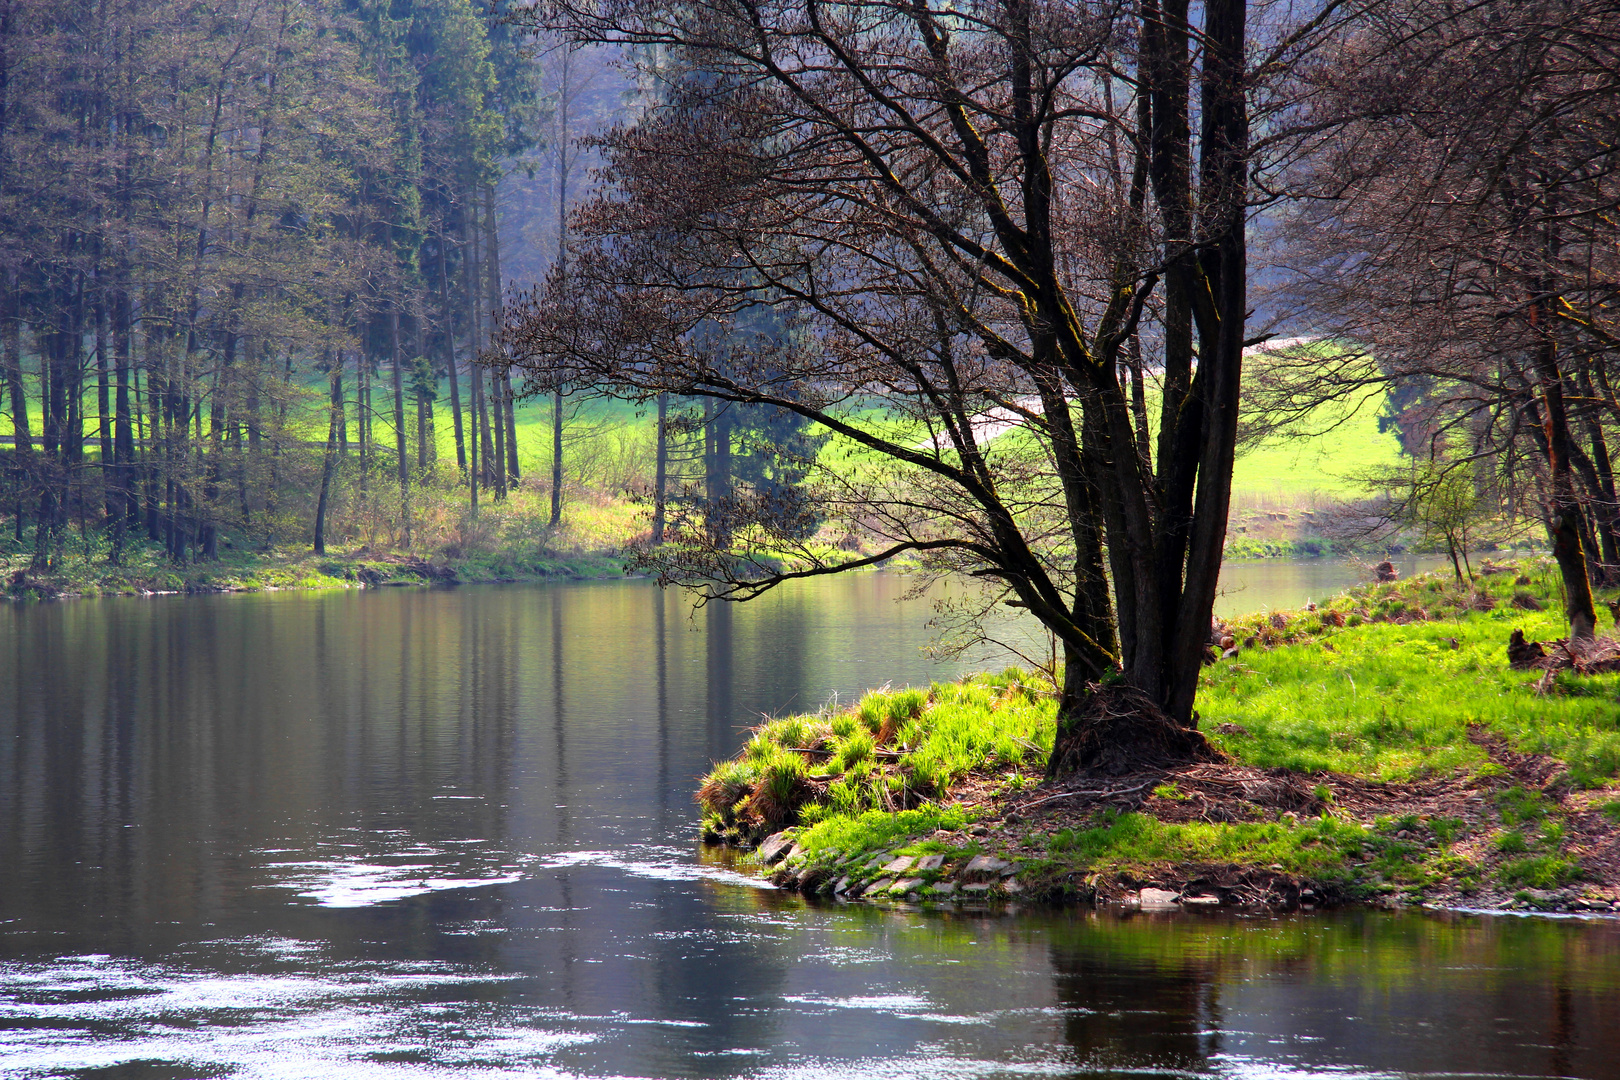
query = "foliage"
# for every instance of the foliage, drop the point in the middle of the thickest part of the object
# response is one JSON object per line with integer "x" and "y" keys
{"x": 222, "y": 229}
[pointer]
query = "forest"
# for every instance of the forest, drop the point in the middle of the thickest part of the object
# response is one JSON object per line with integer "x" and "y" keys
{"x": 252, "y": 259}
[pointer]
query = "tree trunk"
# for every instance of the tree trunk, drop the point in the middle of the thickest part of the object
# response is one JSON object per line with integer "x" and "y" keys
{"x": 1563, "y": 510}
{"x": 507, "y": 436}
{"x": 481, "y": 405}
{"x": 498, "y": 407}
{"x": 660, "y": 470}
{"x": 449, "y": 329}
{"x": 123, "y": 437}
{"x": 401, "y": 439}
{"x": 1223, "y": 191}
{"x": 1116, "y": 730}
{"x": 22, "y": 451}
{"x": 556, "y": 457}
{"x": 362, "y": 403}
{"x": 329, "y": 461}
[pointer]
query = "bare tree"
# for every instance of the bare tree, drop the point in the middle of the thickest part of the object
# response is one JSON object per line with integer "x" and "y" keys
{"x": 1462, "y": 230}
{"x": 970, "y": 222}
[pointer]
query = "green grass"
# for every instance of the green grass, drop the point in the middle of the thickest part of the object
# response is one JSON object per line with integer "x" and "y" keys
{"x": 1355, "y": 687}
{"x": 1344, "y": 448}
{"x": 1138, "y": 845}
{"x": 876, "y": 830}
{"x": 1391, "y": 702}
{"x": 892, "y": 751}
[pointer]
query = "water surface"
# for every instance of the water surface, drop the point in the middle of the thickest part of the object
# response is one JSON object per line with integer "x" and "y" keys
{"x": 412, "y": 834}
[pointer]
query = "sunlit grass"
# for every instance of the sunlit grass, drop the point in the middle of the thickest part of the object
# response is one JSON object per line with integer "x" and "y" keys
{"x": 1392, "y": 702}
{"x": 1386, "y": 683}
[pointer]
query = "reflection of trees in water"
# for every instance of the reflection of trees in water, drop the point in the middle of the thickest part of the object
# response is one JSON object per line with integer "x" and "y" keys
{"x": 717, "y": 656}
{"x": 1360, "y": 990}
{"x": 1135, "y": 1011}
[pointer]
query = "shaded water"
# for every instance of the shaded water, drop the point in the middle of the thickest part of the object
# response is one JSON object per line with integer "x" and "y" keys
{"x": 405, "y": 833}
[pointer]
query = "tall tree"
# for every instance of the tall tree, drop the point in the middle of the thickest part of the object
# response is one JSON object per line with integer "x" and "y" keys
{"x": 1462, "y": 230}
{"x": 964, "y": 223}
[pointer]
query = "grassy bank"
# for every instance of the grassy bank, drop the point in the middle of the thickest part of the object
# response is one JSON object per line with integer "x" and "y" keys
{"x": 506, "y": 541}
{"x": 1378, "y": 749}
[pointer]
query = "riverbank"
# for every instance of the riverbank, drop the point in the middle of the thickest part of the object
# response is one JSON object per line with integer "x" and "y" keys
{"x": 145, "y": 570}
{"x": 1379, "y": 750}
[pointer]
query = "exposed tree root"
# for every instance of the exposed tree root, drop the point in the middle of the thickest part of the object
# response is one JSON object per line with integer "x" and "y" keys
{"x": 1121, "y": 731}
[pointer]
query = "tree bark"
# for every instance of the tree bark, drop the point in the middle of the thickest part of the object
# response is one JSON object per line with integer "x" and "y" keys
{"x": 1563, "y": 510}
{"x": 556, "y": 457}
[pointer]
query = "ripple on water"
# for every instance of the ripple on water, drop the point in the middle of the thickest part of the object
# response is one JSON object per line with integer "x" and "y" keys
{"x": 656, "y": 863}
{"x": 393, "y": 866}
{"x": 88, "y": 1013}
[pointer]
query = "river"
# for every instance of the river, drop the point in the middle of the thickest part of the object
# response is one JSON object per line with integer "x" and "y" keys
{"x": 410, "y": 833}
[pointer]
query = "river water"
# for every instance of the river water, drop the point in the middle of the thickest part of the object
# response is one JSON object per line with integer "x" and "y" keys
{"x": 403, "y": 833}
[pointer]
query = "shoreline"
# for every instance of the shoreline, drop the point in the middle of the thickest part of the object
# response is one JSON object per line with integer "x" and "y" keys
{"x": 304, "y": 571}
{"x": 147, "y": 573}
{"x": 1367, "y": 807}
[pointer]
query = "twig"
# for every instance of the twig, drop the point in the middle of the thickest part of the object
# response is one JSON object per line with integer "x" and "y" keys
{"x": 1084, "y": 791}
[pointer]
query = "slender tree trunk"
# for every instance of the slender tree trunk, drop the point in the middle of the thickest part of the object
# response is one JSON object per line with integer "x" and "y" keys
{"x": 104, "y": 434}
{"x": 498, "y": 407}
{"x": 507, "y": 438}
{"x": 717, "y": 469}
{"x": 513, "y": 475}
{"x": 486, "y": 471}
{"x": 123, "y": 437}
{"x": 329, "y": 461}
{"x": 362, "y": 399}
{"x": 660, "y": 470}
{"x": 401, "y": 440}
{"x": 450, "y": 352}
{"x": 556, "y": 457}
{"x": 22, "y": 451}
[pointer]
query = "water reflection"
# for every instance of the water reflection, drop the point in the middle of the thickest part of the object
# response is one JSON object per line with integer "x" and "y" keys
{"x": 446, "y": 833}
{"x": 1273, "y": 584}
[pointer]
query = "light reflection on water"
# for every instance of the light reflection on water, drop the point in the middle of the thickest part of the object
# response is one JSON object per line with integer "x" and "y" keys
{"x": 431, "y": 834}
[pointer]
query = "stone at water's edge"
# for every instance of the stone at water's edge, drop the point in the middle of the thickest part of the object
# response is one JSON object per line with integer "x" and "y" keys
{"x": 985, "y": 864}
{"x": 775, "y": 848}
{"x": 1161, "y": 898}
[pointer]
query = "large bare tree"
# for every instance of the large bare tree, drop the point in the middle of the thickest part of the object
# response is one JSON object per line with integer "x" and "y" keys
{"x": 1462, "y": 231}
{"x": 984, "y": 228}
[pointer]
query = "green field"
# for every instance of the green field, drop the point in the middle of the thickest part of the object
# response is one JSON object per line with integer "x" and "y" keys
{"x": 1333, "y": 451}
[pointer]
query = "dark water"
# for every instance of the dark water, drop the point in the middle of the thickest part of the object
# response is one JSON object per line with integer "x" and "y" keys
{"x": 412, "y": 834}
